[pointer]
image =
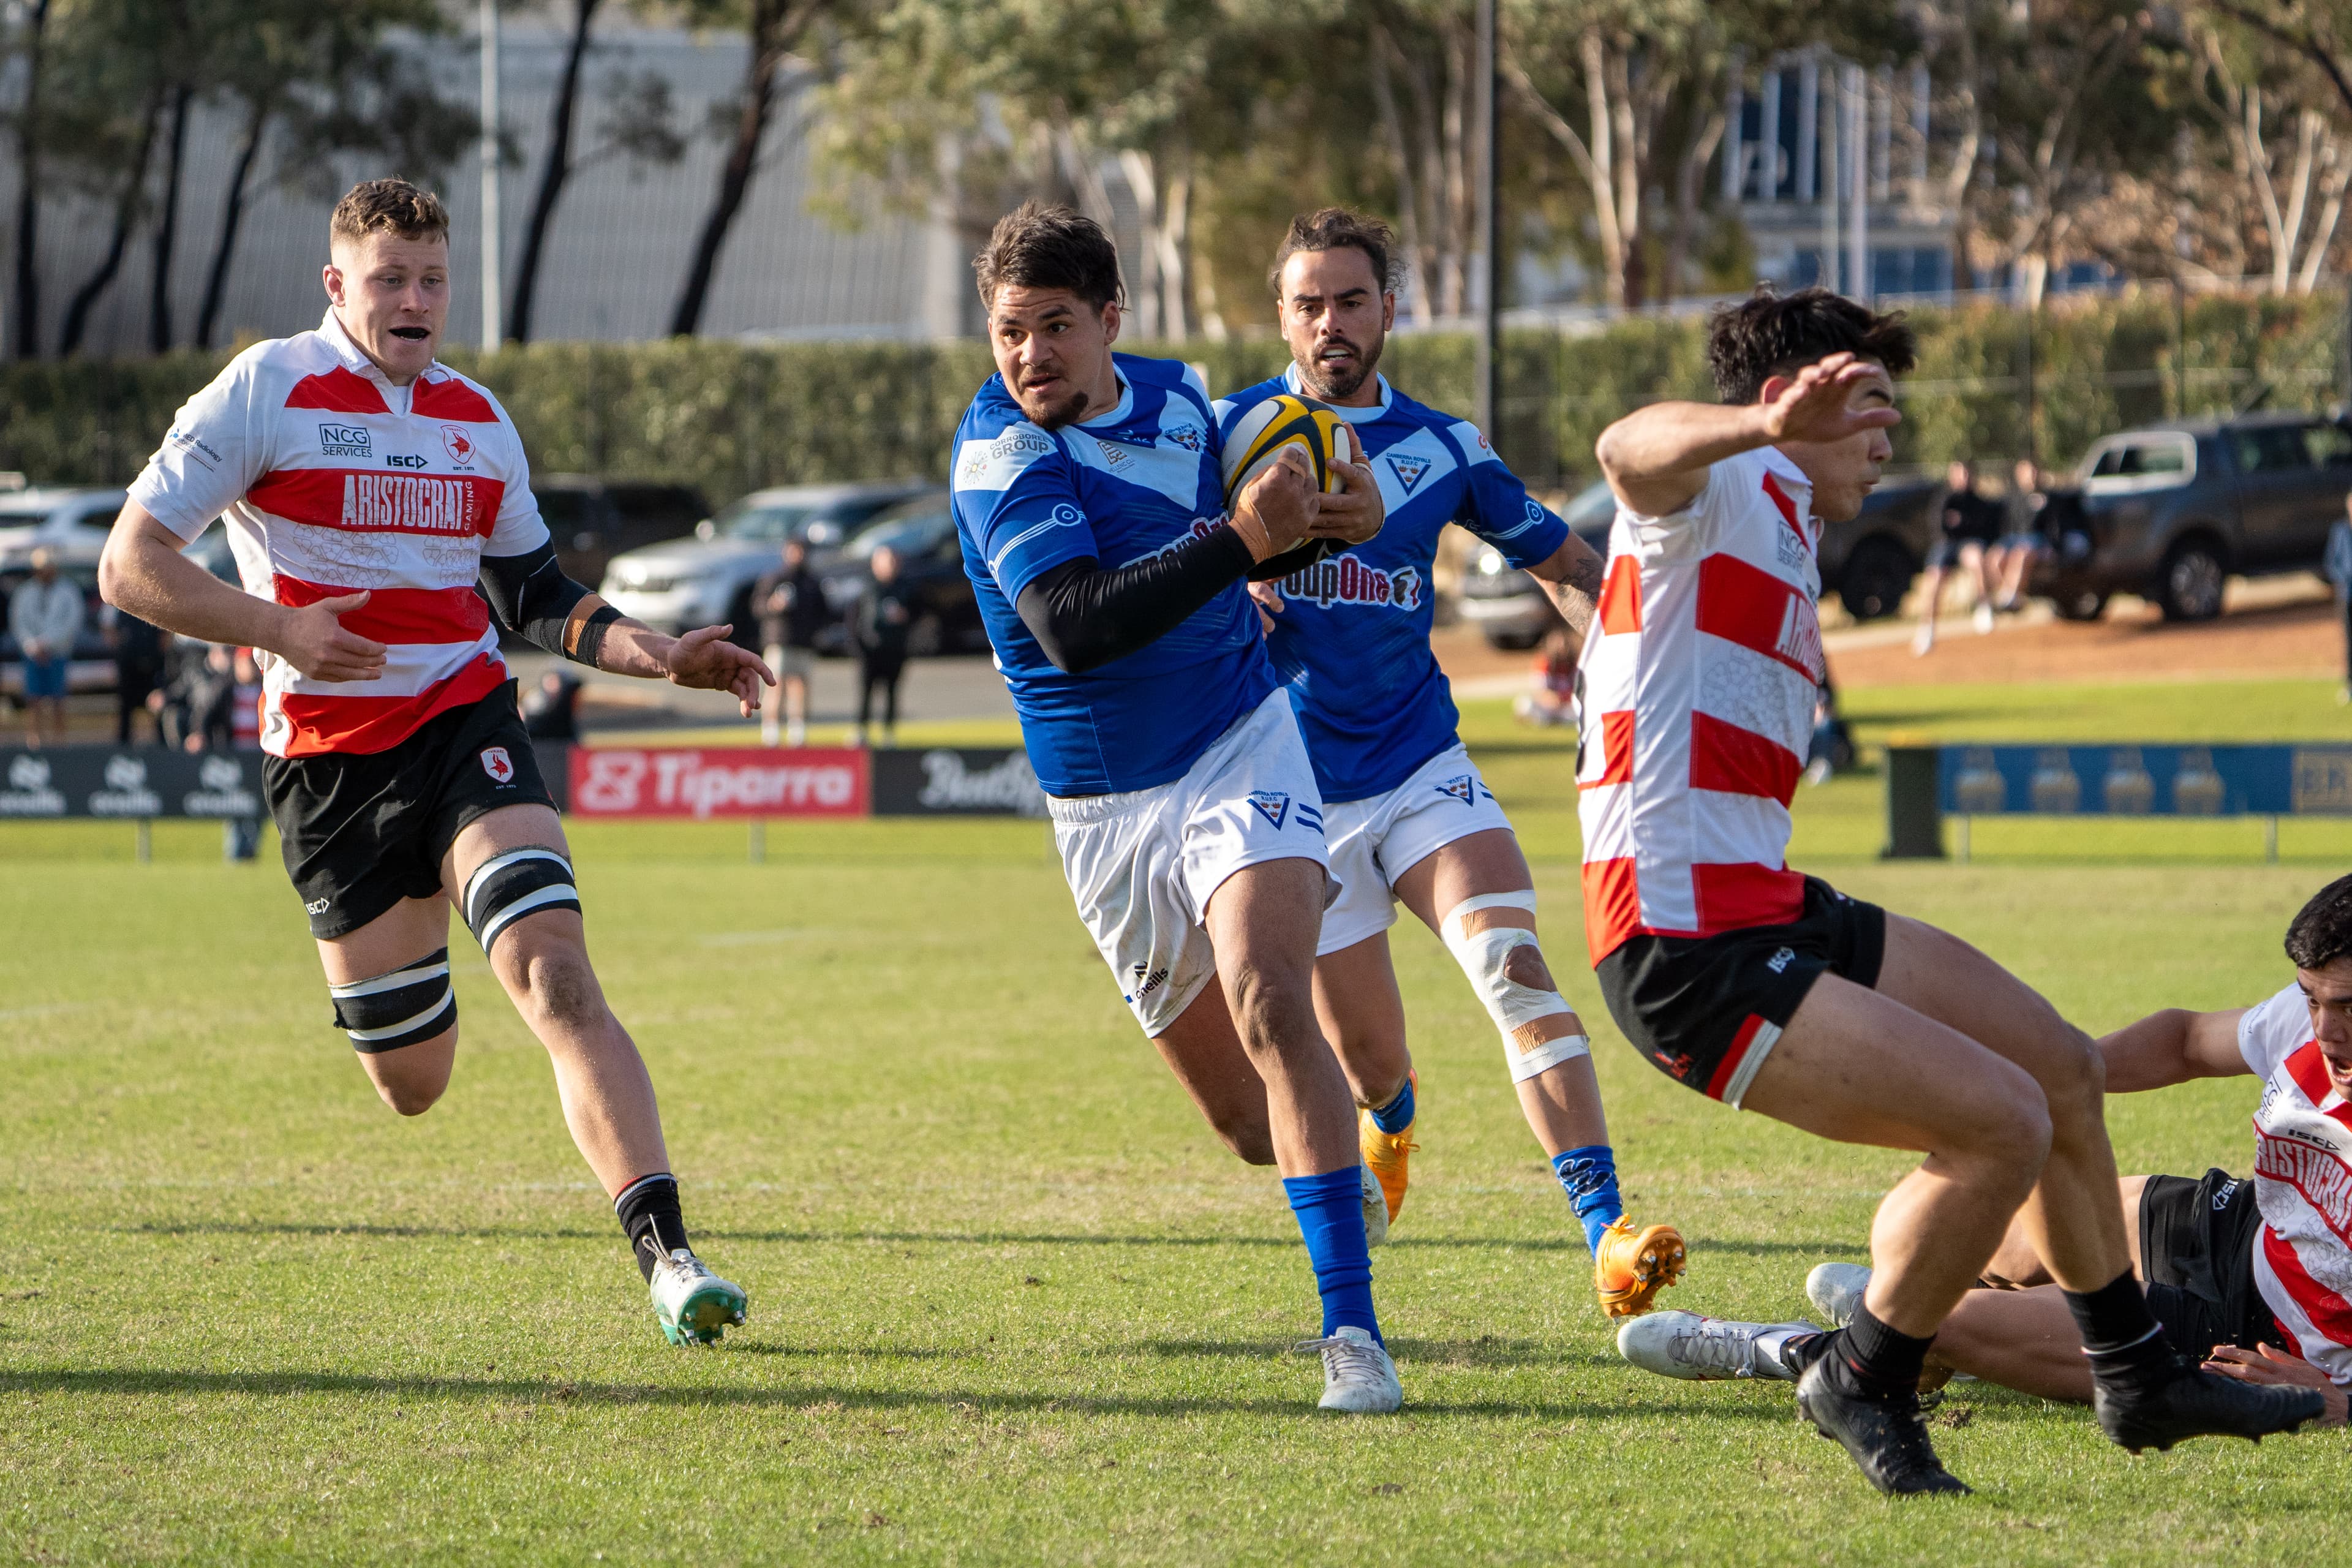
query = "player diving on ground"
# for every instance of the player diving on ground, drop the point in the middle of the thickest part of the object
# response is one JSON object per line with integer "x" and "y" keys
{"x": 367, "y": 489}
{"x": 1089, "y": 496}
{"x": 2251, "y": 1277}
{"x": 1407, "y": 815}
{"x": 1774, "y": 993}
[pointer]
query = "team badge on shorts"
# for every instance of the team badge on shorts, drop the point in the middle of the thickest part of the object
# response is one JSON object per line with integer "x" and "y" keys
{"x": 1459, "y": 787}
{"x": 497, "y": 764}
{"x": 1272, "y": 805}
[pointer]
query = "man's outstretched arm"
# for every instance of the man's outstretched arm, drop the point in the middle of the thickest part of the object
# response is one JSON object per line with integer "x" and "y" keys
{"x": 531, "y": 597}
{"x": 143, "y": 573}
{"x": 1656, "y": 459}
{"x": 1571, "y": 575}
{"x": 2173, "y": 1046}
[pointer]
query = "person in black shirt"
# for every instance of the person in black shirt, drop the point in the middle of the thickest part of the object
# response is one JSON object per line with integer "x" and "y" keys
{"x": 880, "y": 626}
{"x": 1967, "y": 527}
{"x": 138, "y": 655}
{"x": 549, "y": 709}
{"x": 791, "y": 610}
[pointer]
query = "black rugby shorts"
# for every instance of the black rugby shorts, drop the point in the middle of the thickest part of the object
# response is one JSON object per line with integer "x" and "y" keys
{"x": 361, "y": 831}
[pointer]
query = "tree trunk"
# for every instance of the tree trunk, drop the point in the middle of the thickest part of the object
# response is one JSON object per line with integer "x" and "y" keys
{"x": 167, "y": 223}
{"x": 126, "y": 212}
{"x": 1175, "y": 248}
{"x": 1689, "y": 175}
{"x": 776, "y": 25}
{"x": 27, "y": 344}
{"x": 1143, "y": 184}
{"x": 232, "y": 217}
{"x": 553, "y": 171}
{"x": 1408, "y": 201}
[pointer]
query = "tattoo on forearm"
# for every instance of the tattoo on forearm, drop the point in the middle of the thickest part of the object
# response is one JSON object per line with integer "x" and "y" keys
{"x": 1579, "y": 593}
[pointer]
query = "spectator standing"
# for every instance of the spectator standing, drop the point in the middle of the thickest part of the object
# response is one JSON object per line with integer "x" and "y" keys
{"x": 241, "y": 836}
{"x": 44, "y": 617}
{"x": 549, "y": 709}
{"x": 880, "y": 626}
{"x": 139, "y": 653}
{"x": 2012, "y": 559}
{"x": 1968, "y": 527}
{"x": 791, "y": 603}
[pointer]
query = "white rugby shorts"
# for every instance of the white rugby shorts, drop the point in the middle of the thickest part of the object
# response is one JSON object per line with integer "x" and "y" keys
{"x": 1144, "y": 863}
{"x": 1380, "y": 837}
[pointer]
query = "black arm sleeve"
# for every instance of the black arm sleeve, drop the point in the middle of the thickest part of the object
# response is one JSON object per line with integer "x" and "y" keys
{"x": 1085, "y": 617}
{"x": 532, "y": 598}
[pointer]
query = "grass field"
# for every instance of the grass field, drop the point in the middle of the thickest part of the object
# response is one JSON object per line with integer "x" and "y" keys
{"x": 1011, "y": 1302}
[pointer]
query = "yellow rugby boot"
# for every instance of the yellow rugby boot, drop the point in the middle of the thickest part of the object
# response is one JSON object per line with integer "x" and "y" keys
{"x": 1386, "y": 1154}
{"x": 1632, "y": 1267}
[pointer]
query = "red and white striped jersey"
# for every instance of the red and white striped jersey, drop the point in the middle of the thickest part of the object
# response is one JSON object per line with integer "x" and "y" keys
{"x": 333, "y": 480}
{"x": 2303, "y": 1184}
{"x": 1699, "y": 677}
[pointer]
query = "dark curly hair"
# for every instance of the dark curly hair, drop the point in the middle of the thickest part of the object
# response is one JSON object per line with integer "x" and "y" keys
{"x": 2321, "y": 929}
{"x": 1770, "y": 333}
{"x": 1039, "y": 246}
{"x": 1337, "y": 228}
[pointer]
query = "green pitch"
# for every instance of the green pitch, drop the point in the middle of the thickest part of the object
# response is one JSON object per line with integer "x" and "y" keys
{"x": 1010, "y": 1301}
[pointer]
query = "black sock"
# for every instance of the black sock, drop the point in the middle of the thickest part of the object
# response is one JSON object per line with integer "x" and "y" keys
{"x": 2120, "y": 1334}
{"x": 1868, "y": 1357}
{"x": 649, "y": 1213}
{"x": 1801, "y": 1350}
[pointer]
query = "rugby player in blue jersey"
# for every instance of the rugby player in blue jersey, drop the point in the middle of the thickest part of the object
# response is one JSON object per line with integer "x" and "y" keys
{"x": 1089, "y": 501}
{"x": 1406, "y": 814}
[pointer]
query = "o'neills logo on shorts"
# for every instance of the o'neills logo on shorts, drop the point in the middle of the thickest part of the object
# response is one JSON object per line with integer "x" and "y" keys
{"x": 411, "y": 503}
{"x": 1348, "y": 580}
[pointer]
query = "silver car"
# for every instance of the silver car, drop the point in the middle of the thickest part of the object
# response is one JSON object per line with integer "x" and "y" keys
{"x": 682, "y": 584}
{"x": 74, "y": 522}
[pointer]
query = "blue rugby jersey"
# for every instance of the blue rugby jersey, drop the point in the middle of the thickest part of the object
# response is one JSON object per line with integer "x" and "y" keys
{"x": 1352, "y": 641}
{"x": 1137, "y": 481}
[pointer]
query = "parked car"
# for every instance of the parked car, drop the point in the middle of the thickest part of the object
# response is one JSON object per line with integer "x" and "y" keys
{"x": 930, "y": 560}
{"x": 590, "y": 521}
{"x": 74, "y": 522}
{"x": 708, "y": 579}
{"x": 2172, "y": 511}
{"x": 1867, "y": 561}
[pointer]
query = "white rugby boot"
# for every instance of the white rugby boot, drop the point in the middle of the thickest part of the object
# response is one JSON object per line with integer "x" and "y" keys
{"x": 1376, "y": 1207}
{"x": 1689, "y": 1346}
{"x": 693, "y": 1305}
{"x": 1835, "y": 1290}
{"x": 1359, "y": 1378}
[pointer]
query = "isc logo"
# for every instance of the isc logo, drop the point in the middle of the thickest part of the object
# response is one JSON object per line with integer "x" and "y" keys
{"x": 403, "y": 461}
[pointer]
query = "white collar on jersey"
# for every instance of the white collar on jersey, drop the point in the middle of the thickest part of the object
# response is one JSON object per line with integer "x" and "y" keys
{"x": 1778, "y": 464}
{"x": 1121, "y": 410}
{"x": 355, "y": 359}
{"x": 1351, "y": 415}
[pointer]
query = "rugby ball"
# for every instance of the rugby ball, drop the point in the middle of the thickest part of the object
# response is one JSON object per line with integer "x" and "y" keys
{"x": 1256, "y": 443}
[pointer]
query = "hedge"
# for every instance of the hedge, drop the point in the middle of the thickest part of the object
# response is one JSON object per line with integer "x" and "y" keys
{"x": 731, "y": 417}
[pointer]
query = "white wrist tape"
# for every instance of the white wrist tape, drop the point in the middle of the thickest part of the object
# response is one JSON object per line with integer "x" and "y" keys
{"x": 1485, "y": 957}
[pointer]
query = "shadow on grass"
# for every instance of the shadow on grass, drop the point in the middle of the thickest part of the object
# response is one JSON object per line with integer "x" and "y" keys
{"x": 896, "y": 1238}
{"x": 1485, "y": 1350}
{"x": 827, "y": 1398}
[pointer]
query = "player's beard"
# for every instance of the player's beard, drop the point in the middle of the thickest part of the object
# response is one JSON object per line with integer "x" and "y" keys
{"x": 1058, "y": 412}
{"x": 1329, "y": 388}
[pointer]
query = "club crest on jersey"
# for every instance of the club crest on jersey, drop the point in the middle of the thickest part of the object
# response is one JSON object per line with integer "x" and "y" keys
{"x": 497, "y": 764}
{"x": 459, "y": 446}
{"x": 1460, "y": 787}
{"x": 1408, "y": 468}
{"x": 1189, "y": 436}
{"x": 1271, "y": 804}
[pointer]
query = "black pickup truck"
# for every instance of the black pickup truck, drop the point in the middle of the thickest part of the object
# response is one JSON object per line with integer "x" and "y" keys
{"x": 2173, "y": 511}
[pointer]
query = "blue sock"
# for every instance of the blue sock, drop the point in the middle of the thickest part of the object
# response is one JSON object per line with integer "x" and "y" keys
{"x": 1330, "y": 1210}
{"x": 1397, "y": 1114}
{"x": 1588, "y": 1175}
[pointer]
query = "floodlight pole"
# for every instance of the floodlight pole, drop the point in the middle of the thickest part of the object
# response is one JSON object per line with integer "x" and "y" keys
{"x": 493, "y": 285}
{"x": 1490, "y": 229}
